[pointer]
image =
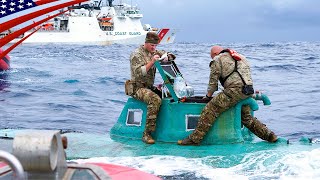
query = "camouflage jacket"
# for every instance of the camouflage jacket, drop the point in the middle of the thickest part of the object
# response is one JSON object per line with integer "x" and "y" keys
{"x": 138, "y": 61}
{"x": 222, "y": 65}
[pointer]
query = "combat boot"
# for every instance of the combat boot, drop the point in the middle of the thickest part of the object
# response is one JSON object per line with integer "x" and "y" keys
{"x": 272, "y": 137}
{"x": 187, "y": 141}
{"x": 259, "y": 129}
{"x": 147, "y": 138}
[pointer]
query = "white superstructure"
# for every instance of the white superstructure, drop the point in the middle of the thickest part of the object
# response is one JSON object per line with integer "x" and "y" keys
{"x": 91, "y": 24}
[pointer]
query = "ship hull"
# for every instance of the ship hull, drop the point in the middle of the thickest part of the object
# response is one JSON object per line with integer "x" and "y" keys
{"x": 88, "y": 30}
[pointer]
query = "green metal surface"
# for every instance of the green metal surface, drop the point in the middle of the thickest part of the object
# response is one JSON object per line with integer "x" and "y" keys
{"x": 172, "y": 122}
{"x": 165, "y": 77}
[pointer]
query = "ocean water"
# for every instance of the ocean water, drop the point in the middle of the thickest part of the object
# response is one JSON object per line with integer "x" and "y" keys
{"x": 80, "y": 88}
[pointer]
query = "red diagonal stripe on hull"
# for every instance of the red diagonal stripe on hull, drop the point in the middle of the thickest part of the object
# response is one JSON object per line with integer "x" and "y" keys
{"x": 11, "y": 23}
{"x": 162, "y": 33}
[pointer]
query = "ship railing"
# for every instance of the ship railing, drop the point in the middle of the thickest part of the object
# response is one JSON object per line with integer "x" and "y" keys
{"x": 14, "y": 163}
{"x": 54, "y": 30}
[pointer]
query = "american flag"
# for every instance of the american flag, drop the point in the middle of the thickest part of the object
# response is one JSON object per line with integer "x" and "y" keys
{"x": 8, "y": 7}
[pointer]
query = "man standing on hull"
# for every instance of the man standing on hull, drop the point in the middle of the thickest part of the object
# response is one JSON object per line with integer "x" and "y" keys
{"x": 141, "y": 86}
{"x": 233, "y": 72}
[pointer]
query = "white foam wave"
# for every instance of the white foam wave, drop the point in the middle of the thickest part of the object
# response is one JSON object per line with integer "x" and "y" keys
{"x": 258, "y": 165}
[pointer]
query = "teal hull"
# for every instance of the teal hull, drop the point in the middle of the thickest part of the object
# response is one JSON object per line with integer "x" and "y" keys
{"x": 176, "y": 120}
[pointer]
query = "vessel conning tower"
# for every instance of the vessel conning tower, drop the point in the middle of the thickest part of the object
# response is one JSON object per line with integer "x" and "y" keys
{"x": 178, "y": 116}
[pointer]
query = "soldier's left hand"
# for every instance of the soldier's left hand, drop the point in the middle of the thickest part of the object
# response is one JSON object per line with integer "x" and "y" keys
{"x": 171, "y": 56}
{"x": 164, "y": 57}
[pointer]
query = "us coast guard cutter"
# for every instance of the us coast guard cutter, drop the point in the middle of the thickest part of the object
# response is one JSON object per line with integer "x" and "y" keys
{"x": 94, "y": 23}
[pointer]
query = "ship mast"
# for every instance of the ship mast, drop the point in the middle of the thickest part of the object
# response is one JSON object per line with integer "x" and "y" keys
{"x": 110, "y": 2}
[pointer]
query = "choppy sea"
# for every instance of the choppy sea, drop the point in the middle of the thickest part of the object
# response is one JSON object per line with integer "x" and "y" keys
{"x": 80, "y": 88}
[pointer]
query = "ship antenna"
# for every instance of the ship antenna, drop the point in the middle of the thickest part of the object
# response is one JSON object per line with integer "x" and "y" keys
{"x": 99, "y": 3}
{"x": 110, "y": 3}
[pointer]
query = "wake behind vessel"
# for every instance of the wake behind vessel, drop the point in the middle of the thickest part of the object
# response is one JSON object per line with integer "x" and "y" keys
{"x": 96, "y": 24}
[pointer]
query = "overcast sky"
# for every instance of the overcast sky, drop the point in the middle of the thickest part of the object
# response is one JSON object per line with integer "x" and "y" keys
{"x": 235, "y": 20}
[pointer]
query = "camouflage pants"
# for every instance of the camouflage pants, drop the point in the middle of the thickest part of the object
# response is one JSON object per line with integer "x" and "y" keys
{"x": 153, "y": 102}
{"x": 220, "y": 103}
{"x": 253, "y": 124}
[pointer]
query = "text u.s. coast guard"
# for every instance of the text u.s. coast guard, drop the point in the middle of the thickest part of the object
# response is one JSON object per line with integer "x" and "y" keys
{"x": 118, "y": 33}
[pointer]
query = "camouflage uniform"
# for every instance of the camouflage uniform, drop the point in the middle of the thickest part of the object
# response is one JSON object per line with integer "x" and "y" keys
{"x": 222, "y": 65}
{"x": 143, "y": 82}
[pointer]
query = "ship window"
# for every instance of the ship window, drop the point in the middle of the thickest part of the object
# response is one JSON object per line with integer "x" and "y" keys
{"x": 191, "y": 121}
{"x": 134, "y": 117}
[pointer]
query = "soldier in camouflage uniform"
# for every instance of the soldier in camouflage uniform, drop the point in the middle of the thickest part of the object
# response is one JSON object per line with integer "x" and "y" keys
{"x": 142, "y": 79}
{"x": 233, "y": 79}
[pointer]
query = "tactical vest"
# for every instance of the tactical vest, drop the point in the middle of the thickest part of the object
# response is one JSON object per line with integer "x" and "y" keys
{"x": 246, "y": 89}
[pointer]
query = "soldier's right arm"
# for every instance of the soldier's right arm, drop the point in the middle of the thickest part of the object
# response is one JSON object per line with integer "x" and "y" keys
{"x": 215, "y": 71}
